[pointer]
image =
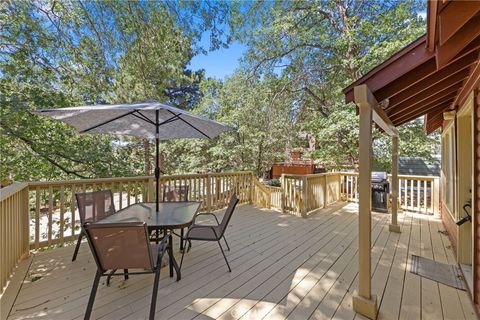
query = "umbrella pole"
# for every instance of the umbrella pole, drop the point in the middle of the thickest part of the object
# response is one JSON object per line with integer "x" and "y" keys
{"x": 157, "y": 165}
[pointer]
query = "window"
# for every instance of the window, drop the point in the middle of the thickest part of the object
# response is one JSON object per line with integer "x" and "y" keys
{"x": 448, "y": 168}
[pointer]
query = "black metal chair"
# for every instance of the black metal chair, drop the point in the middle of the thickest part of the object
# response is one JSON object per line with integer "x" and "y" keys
{"x": 175, "y": 194}
{"x": 124, "y": 246}
{"x": 92, "y": 206}
{"x": 212, "y": 232}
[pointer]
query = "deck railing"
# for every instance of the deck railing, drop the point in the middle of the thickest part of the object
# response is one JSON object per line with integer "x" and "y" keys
{"x": 415, "y": 193}
{"x": 302, "y": 194}
{"x": 14, "y": 244}
{"x": 54, "y": 216}
{"x": 419, "y": 193}
{"x": 35, "y": 215}
{"x": 299, "y": 194}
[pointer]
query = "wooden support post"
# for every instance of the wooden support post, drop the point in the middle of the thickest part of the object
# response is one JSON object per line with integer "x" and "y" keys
{"x": 339, "y": 181}
{"x": 208, "y": 185}
{"x": 252, "y": 186}
{"x": 26, "y": 224}
{"x": 325, "y": 191}
{"x": 283, "y": 197}
{"x": 394, "y": 227}
{"x": 150, "y": 191}
{"x": 304, "y": 207}
{"x": 363, "y": 301}
{"x": 436, "y": 196}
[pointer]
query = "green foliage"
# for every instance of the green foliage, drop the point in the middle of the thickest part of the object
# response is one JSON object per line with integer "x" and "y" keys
{"x": 67, "y": 53}
{"x": 274, "y": 183}
{"x": 258, "y": 109}
{"x": 337, "y": 137}
{"x": 300, "y": 56}
{"x": 413, "y": 143}
{"x": 321, "y": 47}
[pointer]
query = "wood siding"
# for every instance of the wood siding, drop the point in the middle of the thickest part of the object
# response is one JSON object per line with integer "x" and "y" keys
{"x": 449, "y": 223}
{"x": 279, "y": 169}
{"x": 476, "y": 199}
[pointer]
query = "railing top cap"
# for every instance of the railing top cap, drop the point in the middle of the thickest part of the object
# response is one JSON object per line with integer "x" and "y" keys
{"x": 130, "y": 179}
{"x": 12, "y": 189}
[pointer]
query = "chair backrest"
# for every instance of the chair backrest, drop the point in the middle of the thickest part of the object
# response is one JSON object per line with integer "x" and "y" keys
{"x": 175, "y": 193}
{"x": 228, "y": 214}
{"x": 94, "y": 206}
{"x": 120, "y": 245}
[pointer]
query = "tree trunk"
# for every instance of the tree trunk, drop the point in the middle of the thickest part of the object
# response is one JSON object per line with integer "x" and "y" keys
{"x": 260, "y": 159}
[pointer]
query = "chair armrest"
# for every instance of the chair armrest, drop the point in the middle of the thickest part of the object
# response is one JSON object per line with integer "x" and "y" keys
{"x": 206, "y": 214}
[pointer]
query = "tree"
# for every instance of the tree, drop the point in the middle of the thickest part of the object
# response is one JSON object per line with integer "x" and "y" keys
{"x": 59, "y": 54}
{"x": 322, "y": 46}
{"x": 261, "y": 112}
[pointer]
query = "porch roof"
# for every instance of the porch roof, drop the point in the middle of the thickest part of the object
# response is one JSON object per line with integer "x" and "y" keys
{"x": 434, "y": 73}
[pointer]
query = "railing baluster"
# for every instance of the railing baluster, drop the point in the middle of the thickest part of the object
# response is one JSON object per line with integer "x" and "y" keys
{"x": 120, "y": 195}
{"x": 128, "y": 194}
{"x": 412, "y": 193}
{"x": 3, "y": 243}
{"x": 425, "y": 196}
{"x": 355, "y": 184}
{"x": 62, "y": 212}
{"x": 50, "y": 212}
{"x": 73, "y": 209}
{"x": 136, "y": 186}
{"x": 37, "y": 218}
{"x": 433, "y": 195}
{"x": 418, "y": 208}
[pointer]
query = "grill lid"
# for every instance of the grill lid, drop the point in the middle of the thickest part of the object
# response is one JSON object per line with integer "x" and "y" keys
{"x": 379, "y": 176}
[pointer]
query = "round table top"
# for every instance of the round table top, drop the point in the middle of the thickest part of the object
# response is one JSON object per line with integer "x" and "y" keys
{"x": 170, "y": 215}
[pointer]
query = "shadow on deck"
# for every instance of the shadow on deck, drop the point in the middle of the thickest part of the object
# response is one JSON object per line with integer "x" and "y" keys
{"x": 282, "y": 266}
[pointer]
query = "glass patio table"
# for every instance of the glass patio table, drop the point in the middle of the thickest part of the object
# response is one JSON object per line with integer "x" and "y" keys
{"x": 170, "y": 216}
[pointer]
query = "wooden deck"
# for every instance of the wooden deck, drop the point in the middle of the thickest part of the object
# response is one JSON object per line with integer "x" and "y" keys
{"x": 283, "y": 267}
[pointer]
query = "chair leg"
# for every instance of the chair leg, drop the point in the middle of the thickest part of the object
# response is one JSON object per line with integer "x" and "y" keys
{"x": 181, "y": 239}
{"x": 181, "y": 260}
{"x": 224, "y": 256}
{"x": 96, "y": 281}
{"x": 228, "y": 247}
{"x": 125, "y": 276}
{"x": 77, "y": 246}
{"x": 110, "y": 275}
{"x": 170, "y": 253}
{"x": 154, "y": 293}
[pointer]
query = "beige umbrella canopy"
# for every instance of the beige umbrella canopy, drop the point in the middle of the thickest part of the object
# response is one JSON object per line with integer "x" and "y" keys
{"x": 151, "y": 120}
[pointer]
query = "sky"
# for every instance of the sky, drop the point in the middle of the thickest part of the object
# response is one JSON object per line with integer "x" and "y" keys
{"x": 219, "y": 63}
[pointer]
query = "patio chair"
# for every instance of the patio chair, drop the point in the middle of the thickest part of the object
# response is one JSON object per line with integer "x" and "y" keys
{"x": 174, "y": 194}
{"x": 124, "y": 246}
{"x": 92, "y": 206}
{"x": 212, "y": 232}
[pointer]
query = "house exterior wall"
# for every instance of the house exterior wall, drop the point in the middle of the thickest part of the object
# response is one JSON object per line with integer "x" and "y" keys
{"x": 449, "y": 223}
{"x": 452, "y": 212}
{"x": 447, "y": 176}
{"x": 476, "y": 199}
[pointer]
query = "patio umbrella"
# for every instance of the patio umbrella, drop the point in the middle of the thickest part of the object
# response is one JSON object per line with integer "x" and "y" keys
{"x": 150, "y": 119}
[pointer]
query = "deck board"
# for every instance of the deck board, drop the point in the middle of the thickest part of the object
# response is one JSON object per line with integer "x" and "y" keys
{"x": 283, "y": 267}
{"x": 431, "y": 303}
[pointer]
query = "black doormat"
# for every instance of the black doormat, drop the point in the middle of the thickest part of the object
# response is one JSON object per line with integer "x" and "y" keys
{"x": 447, "y": 274}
